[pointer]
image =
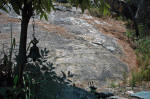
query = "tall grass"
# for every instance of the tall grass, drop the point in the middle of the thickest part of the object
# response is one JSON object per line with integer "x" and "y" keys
{"x": 143, "y": 55}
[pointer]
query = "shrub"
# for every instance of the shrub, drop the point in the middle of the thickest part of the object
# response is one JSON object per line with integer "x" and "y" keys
{"x": 143, "y": 30}
{"x": 132, "y": 81}
{"x": 142, "y": 52}
{"x": 95, "y": 12}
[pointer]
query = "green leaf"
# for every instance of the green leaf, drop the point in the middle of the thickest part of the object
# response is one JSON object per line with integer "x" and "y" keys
{"x": 4, "y": 9}
{"x": 106, "y": 11}
{"x": 45, "y": 16}
{"x": 41, "y": 16}
{"x": 24, "y": 81}
{"x": 107, "y": 5}
{"x": 48, "y": 6}
{"x": 16, "y": 79}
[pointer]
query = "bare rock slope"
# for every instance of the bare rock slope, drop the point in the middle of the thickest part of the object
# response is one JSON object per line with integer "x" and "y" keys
{"x": 75, "y": 47}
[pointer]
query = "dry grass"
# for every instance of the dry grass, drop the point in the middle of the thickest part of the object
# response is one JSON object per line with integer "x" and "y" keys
{"x": 117, "y": 30}
{"x": 5, "y": 19}
{"x": 56, "y": 29}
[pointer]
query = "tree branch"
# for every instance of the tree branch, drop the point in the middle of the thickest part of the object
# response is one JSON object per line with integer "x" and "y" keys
{"x": 4, "y": 3}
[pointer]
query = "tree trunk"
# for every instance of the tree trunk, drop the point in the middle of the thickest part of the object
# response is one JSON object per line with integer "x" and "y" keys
{"x": 136, "y": 28}
{"x": 22, "y": 59}
{"x": 134, "y": 21}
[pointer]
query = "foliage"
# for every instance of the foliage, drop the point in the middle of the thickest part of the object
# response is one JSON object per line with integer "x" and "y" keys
{"x": 95, "y": 12}
{"x": 100, "y": 5}
{"x": 12, "y": 92}
{"x": 143, "y": 56}
{"x": 130, "y": 34}
{"x": 113, "y": 85}
{"x": 99, "y": 8}
{"x": 138, "y": 77}
{"x": 39, "y": 74}
{"x": 144, "y": 46}
{"x": 9, "y": 78}
{"x": 132, "y": 81}
{"x": 41, "y": 7}
{"x": 143, "y": 30}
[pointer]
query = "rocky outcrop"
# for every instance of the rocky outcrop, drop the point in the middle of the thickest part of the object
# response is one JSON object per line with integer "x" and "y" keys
{"x": 76, "y": 49}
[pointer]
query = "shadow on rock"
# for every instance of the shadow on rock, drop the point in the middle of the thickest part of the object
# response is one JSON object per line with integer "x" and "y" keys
{"x": 47, "y": 85}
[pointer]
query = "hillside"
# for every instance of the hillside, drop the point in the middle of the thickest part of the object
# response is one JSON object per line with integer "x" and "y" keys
{"x": 87, "y": 48}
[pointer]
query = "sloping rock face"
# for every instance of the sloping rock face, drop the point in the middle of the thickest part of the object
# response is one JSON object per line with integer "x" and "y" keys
{"x": 87, "y": 55}
{"x": 76, "y": 48}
